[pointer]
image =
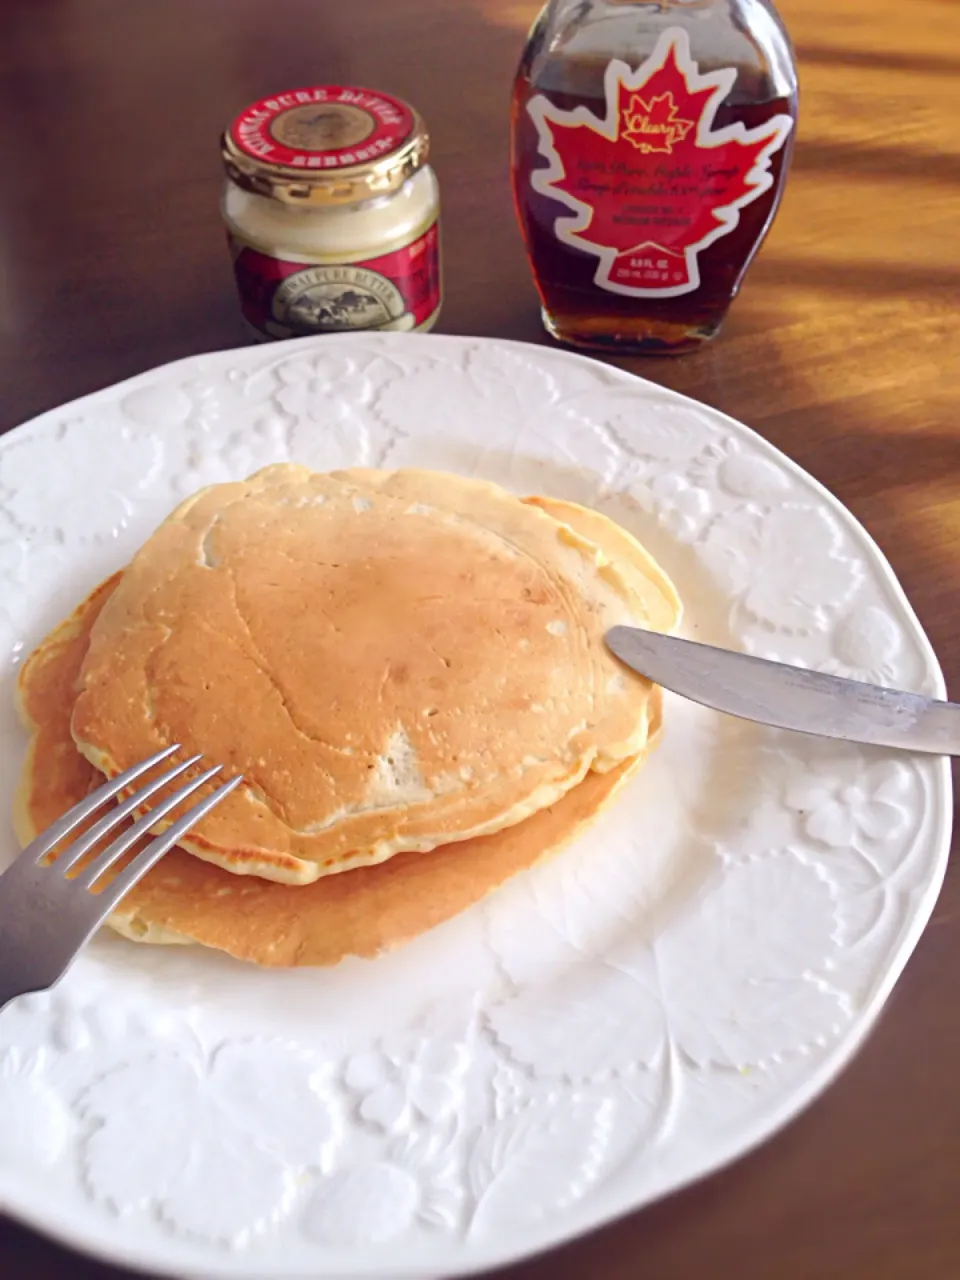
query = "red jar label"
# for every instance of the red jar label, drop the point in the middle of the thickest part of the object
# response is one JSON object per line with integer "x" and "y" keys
{"x": 653, "y": 183}
{"x": 399, "y": 290}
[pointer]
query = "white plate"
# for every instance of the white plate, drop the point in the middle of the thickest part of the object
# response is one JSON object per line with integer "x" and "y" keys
{"x": 630, "y": 1016}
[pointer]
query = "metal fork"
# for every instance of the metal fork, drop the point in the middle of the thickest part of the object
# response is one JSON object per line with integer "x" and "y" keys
{"x": 46, "y": 917}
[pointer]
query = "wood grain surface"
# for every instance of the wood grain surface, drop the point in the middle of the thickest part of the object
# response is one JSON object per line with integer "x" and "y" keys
{"x": 843, "y": 350}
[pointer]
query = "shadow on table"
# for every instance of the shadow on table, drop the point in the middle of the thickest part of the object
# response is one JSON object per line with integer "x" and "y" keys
{"x": 877, "y": 60}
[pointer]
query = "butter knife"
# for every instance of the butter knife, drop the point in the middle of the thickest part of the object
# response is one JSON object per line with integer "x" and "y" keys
{"x": 789, "y": 697}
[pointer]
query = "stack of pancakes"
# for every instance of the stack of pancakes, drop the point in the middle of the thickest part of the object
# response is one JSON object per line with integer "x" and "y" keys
{"x": 408, "y": 670}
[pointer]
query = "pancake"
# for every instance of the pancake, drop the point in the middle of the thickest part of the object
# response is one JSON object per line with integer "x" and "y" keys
{"x": 661, "y": 607}
{"x": 393, "y": 660}
{"x": 184, "y": 899}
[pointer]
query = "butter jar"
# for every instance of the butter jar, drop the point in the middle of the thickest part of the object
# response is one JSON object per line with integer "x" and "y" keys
{"x": 332, "y": 214}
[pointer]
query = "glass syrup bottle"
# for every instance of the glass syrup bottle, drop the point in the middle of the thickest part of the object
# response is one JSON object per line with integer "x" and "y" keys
{"x": 650, "y": 145}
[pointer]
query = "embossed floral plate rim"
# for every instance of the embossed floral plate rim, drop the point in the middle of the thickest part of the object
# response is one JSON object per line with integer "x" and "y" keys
{"x": 605, "y": 436}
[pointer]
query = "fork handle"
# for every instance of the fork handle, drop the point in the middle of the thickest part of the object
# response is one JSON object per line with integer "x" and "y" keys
{"x": 10, "y": 990}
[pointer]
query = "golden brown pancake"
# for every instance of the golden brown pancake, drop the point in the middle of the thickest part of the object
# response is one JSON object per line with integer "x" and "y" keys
{"x": 661, "y": 605}
{"x": 184, "y": 899}
{"x": 393, "y": 660}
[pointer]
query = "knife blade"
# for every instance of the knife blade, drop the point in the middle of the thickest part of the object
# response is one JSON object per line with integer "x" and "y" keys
{"x": 788, "y": 697}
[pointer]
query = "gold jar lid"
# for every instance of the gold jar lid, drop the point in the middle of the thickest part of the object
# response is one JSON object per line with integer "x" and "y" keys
{"x": 332, "y": 144}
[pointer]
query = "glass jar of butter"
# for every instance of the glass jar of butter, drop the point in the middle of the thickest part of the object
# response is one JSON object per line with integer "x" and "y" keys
{"x": 332, "y": 213}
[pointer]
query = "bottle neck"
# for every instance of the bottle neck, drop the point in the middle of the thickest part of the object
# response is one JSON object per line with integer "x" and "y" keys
{"x": 587, "y": 8}
{"x": 746, "y": 34}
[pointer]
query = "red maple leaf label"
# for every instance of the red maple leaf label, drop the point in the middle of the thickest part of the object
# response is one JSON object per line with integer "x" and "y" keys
{"x": 653, "y": 183}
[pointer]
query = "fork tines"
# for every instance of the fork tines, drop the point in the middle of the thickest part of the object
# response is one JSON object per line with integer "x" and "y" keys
{"x": 67, "y": 858}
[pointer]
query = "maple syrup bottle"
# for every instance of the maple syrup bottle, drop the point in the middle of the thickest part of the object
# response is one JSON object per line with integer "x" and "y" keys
{"x": 650, "y": 144}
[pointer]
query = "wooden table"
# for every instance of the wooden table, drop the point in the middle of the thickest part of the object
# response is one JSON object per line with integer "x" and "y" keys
{"x": 843, "y": 350}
